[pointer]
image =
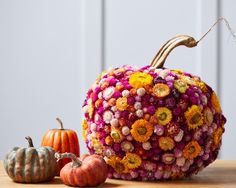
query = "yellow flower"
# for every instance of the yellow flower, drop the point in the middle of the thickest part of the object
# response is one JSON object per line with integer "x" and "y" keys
{"x": 132, "y": 161}
{"x": 97, "y": 146}
{"x": 85, "y": 126}
{"x": 215, "y": 102}
{"x": 141, "y": 130}
{"x": 117, "y": 164}
{"x": 208, "y": 116}
{"x": 188, "y": 80}
{"x": 181, "y": 85}
{"x": 192, "y": 150}
{"x": 121, "y": 103}
{"x": 164, "y": 115}
{"x": 166, "y": 143}
{"x": 217, "y": 136}
{"x": 161, "y": 90}
{"x": 180, "y": 72}
{"x": 202, "y": 86}
{"x": 194, "y": 117}
{"x": 90, "y": 108}
{"x": 116, "y": 135}
{"x": 140, "y": 79}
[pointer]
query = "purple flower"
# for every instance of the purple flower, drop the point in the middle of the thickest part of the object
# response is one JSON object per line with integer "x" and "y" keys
{"x": 116, "y": 147}
{"x": 131, "y": 100}
{"x": 97, "y": 90}
{"x": 160, "y": 103}
{"x": 112, "y": 82}
{"x": 170, "y": 84}
{"x": 176, "y": 111}
{"x": 170, "y": 102}
{"x": 151, "y": 110}
{"x": 159, "y": 79}
{"x": 194, "y": 100}
{"x": 117, "y": 94}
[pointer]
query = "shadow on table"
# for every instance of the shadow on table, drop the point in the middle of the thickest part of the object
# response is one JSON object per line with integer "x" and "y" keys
{"x": 209, "y": 176}
{"x": 56, "y": 180}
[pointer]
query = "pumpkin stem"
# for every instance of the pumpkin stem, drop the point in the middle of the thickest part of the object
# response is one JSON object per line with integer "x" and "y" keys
{"x": 165, "y": 50}
{"x": 75, "y": 160}
{"x": 185, "y": 40}
{"x": 60, "y": 122}
{"x": 29, "y": 139}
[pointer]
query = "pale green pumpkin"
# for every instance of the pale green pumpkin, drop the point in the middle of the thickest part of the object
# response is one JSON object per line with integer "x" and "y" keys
{"x": 30, "y": 165}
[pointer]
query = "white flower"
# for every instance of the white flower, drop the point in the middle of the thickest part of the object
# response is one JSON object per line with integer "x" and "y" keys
{"x": 100, "y": 95}
{"x": 108, "y": 92}
{"x": 114, "y": 108}
{"x": 93, "y": 127}
{"x": 107, "y": 116}
{"x": 179, "y": 136}
{"x": 105, "y": 104}
{"x": 146, "y": 145}
{"x": 108, "y": 152}
{"x": 127, "y": 146}
{"x": 141, "y": 91}
{"x": 164, "y": 73}
{"x": 139, "y": 113}
{"x": 125, "y": 130}
{"x": 125, "y": 93}
{"x": 85, "y": 109}
{"x": 137, "y": 105}
{"x": 204, "y": 99}
{"x": 102, "y": 81}
{"x": 114, "y": 122}
{"x": 89, "y": 137}
{"x": 180, "y": 161}
{"x": 169, "y": 78}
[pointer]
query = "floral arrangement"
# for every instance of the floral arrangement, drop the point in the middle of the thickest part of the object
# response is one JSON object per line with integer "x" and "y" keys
{"x": 152, "y": 124}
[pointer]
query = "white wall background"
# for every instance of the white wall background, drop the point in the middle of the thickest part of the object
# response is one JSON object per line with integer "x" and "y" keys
{"x": 51, "y": 52}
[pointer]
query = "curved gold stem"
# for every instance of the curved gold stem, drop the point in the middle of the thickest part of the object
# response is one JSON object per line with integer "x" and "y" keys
{"x": 161, "y": 56}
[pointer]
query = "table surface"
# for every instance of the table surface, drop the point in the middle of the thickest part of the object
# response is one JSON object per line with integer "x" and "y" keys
{"x": 219, "y": 174}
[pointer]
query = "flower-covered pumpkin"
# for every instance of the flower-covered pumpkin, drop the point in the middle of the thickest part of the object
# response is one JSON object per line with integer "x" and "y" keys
{"x": 153, "y": 123}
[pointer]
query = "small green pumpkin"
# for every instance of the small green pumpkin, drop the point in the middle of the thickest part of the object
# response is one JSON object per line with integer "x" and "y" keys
{"x": 30, "y": 165}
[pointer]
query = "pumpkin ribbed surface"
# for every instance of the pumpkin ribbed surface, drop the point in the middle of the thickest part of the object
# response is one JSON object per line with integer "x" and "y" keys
{"x": 92, "y": 172}
{"x": 62, "y": 140}
{"x": 30, "y": 165}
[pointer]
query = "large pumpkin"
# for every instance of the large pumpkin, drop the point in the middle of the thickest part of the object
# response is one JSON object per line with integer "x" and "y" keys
{"x": 30, "y": 165}
{"x": 62, "y": 140}
{"x": 89, "y": 170}
{"x": 153, "y": 123}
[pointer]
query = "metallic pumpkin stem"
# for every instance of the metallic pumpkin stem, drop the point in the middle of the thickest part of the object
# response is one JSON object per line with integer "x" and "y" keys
{"x": 29, "y": 139}
{"x": 185, "y": 40}
{"x": 60, "y": 122}
{"x": 75, "y": 160}
{"x": 163, "y": 53}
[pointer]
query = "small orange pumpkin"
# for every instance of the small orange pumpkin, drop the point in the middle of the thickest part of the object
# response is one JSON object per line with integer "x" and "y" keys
{"x": 89, "y": 170}
{"x": 62, "y": 140}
